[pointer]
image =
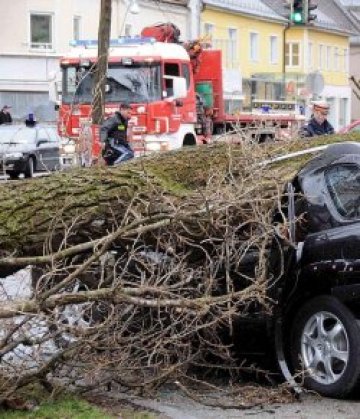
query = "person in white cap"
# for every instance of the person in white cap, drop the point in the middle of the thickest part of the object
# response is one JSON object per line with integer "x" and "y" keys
{"x": 318, "y": 124}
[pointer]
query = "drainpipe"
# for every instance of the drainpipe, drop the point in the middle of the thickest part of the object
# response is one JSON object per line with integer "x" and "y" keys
{"x": 287, "y": 27}
{"x": 117, "y": 25}
{"x": 195, "y": 7}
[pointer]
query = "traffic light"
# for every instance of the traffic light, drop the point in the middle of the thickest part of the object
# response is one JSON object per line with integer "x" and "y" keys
{"x": 298, "y": 12}
{"x": 311, "y": 6}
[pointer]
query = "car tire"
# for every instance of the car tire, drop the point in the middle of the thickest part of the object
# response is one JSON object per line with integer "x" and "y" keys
{"x": 29, "y": 171}
{"x": 325, "y": 343}
{"x": 14, "y": 175}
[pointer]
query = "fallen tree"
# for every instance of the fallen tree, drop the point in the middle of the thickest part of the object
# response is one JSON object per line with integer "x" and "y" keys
{"x": 149, "y": 253}
{"x": 46, "y": 215}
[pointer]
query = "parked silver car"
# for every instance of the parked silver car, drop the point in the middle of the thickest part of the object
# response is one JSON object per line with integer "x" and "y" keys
{"x": 26, "y": 149}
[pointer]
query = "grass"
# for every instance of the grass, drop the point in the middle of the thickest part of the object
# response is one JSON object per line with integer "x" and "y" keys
{"x": 70, "y": 407}
{"x": 64, "y": 408}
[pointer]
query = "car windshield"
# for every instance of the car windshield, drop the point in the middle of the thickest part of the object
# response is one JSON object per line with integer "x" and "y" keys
{"x": 19, "y": 135}
{"x": 136, "y": 83}
{"x": 343, "y": 183}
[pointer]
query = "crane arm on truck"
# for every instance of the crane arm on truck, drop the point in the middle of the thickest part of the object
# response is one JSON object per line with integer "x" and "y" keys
{"x": 168, "y": 32}
{"x": 164, "y": 32}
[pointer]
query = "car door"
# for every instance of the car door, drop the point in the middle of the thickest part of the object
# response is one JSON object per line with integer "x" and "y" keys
{"x": 54, "y": 148}
{"x": 47, "y": 149}
{"x": 43, "y": 150}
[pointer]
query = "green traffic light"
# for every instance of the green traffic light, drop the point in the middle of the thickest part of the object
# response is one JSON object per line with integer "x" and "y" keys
{"x": 296, "y": 17}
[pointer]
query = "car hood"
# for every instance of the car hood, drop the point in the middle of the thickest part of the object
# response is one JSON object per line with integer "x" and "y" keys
{"x": 6, "y": 148}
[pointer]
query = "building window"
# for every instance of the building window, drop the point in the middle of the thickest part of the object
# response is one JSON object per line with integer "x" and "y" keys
{"x": 310, "y": 56}
{"x": 328, "y": 58}
{"x": 292, "y": 54}
{"x": 232, "y": 48}
{"x": 254, "y": 46}
{"x": 321, "y": 57}
{"x": 274, "y": 53}
{"x": 343, "y": 112}
{"x": 209, "y": 29}
{"x": 336, "y": 59}
{"x": 346, "y": 60}
{"x": 76, "y": 28}
{"x": 41, "y": 28}
{"x": 128, "y": 29}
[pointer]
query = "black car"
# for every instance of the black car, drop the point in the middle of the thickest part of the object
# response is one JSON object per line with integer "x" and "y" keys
{"x": 28, "y": 149}
{"x": 316, "y": 319}
{"x": 314, "y": 325}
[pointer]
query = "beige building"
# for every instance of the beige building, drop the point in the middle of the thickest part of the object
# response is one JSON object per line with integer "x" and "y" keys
{"x": 36, "y": 33}
{"x": 353, "y": 9}
{"x": 322, "y": 50}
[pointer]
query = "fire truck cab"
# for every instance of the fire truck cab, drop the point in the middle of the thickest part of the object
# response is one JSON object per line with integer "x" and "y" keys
{"x": 157, "y": 80}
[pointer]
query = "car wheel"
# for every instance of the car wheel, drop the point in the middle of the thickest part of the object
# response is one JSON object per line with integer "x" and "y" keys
{"x": 29, "y": 171}
{"x": 14, "y": 175}
{"x": 325, "y": 344}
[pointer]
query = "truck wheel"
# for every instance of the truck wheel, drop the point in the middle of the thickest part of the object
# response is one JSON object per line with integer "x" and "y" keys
{"x": 189, "y": 140}
{"x": 29, "y": 171}
{"x": 325, "y": 344}
{"x": 14, "y": 175}
{"x": 266, "y": 138}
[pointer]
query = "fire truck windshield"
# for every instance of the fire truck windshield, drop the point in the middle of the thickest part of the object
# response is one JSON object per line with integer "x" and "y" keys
{"x": 137, "y": 83}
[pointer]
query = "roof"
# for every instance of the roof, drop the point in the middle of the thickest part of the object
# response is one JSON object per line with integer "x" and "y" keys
{"x": 332, "y": 153}
{"x": 256, "y": 8}
{"x": 352, "y": 7}
{"x": 331, "y": 15}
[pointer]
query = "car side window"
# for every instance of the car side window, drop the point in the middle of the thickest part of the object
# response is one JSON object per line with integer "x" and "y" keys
{"x": 343, "y": 184}
{"x": 52, "y": 135}
{"x": 42, "y": 135}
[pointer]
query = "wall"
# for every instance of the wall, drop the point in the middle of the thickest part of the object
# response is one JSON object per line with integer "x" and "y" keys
{"x": 24, "y": 72}
{"x": 355, "y": 71}
{"x": 245, "y": 25}
{"x": 336, "y": 81}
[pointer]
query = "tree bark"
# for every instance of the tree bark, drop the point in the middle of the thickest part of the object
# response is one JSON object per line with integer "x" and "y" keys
{"x": 45, "y": 216}
{"x": 102, "y": 63}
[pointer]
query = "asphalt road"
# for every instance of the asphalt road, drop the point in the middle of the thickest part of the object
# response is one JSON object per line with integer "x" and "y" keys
{"x": 175, "y": 405}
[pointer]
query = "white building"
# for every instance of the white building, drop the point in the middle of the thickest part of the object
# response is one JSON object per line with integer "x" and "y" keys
{"x": 36, "y": 33}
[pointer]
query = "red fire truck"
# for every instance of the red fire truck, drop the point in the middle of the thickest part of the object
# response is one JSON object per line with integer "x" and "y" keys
{"x": 175, "y": 90}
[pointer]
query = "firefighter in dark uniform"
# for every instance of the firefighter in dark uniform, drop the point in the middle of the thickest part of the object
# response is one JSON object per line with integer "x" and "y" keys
{"x": 113, "y": 136}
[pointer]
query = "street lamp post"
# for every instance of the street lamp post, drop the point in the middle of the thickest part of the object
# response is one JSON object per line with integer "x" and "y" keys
{"x": 132, "y": 8}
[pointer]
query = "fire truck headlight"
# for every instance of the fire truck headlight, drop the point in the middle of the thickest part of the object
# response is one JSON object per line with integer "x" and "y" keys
{"x": 69, "y": 148}
{"x": 153, "y": 146}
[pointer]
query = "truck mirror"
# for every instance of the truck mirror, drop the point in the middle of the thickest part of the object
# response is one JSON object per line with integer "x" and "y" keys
{"x": 179, "y": 87}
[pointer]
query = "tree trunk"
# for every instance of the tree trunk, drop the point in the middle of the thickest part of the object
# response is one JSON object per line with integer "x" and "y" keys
{"x": 46, "y": 215}
{"x": 102, "y": 63}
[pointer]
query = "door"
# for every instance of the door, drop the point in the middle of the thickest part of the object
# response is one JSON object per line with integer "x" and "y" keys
{"x": 47, "y": 149}
{"x": 54, "y": 148}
